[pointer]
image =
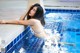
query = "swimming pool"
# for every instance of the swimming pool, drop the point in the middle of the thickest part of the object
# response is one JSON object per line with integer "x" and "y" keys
{"x": 67, "y": 22}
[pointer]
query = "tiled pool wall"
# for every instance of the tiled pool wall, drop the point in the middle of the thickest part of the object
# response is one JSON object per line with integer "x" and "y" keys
{"x": 17, "y": 41}
{"x": 69, "y": 29}
{"x": 25, "y": 40}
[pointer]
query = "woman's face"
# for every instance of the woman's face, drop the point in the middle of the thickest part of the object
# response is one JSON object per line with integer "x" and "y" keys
{"x": 33, "y": 11}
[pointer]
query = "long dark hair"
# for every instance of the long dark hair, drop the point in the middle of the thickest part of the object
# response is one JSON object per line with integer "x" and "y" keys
{"x": 39, "y": 13}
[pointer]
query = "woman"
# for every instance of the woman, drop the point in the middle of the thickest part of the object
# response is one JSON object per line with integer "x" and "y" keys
{"x": 35, "y": 18}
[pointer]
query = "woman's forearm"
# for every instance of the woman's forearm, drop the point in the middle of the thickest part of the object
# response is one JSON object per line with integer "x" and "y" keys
{"x": 10, "y": 22}
{"x": 18, "y": 22}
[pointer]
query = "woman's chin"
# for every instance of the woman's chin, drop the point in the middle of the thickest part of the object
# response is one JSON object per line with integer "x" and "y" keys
{"x": 31, "y": 15}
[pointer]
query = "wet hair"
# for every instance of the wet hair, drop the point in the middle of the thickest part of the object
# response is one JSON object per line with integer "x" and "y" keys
{"x": 39, "y": 13}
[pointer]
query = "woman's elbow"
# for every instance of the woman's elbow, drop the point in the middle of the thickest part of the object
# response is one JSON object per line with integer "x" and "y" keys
{"x": 22, "y": 22}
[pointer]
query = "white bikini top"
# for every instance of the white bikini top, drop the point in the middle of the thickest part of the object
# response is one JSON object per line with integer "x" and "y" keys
{"x": 36, "y": 32}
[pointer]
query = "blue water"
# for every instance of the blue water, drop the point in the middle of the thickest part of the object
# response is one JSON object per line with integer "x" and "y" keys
{"x": 68, "y": 25}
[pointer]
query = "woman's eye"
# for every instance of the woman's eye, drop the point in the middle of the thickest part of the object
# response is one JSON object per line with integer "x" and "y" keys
{"x": 34, "y": 10}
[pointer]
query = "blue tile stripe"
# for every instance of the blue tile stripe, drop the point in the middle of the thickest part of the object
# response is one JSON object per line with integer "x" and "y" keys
{"x": 16, "y": 40}
{"x": 62, "y": 10}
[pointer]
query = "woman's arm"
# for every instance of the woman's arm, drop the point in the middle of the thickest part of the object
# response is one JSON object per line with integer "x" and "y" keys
{"x": 19, "y": 22}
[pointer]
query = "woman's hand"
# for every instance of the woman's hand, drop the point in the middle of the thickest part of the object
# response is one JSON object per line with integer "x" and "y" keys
{"x": 2, "y": 22}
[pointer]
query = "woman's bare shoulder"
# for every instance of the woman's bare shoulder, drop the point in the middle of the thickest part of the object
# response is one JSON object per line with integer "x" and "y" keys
{"x": 34, "y": 20}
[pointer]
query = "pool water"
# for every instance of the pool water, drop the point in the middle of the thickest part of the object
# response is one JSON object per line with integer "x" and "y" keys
{"x": 67, "y": 23}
